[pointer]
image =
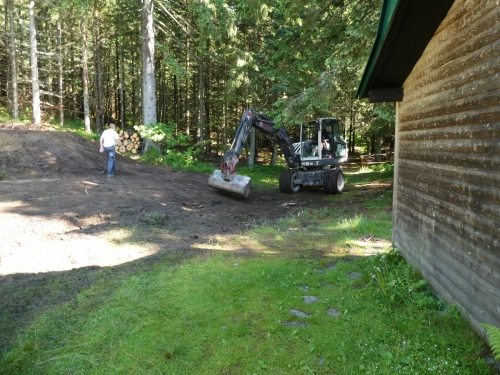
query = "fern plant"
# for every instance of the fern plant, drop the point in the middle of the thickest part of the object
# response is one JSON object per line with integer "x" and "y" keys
{"x": 494, "y": 339}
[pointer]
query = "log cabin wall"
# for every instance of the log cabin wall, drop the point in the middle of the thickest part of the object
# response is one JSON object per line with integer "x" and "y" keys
{"x": 447, "y": 169}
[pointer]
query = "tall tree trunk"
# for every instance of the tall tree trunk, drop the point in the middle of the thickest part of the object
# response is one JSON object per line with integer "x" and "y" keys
{"x": 60, "y": 64}
{"x": 163, "y": 97}
{"x": 206, "y": 103}
{"x": 47, "y": 66}
{"x": 99, "y": 121}
{"x": 225, "y": 114}
{"x": 73, "y": 91}
{"x": 148, "y": 69}
{"x": 116, "y": 109}
{"x": 208, "y": 149}
{"x": 85, "y": 78}
{"x": 35, "y": 88}
{"x": 13, "y": 62}
{"x": 351, "y": 132}
{"x": 378, "y": 147}
{"x": 7, "y": 81}
{"x": 274, "y": 158}
{"x": 135, "y": 85}
{"x": 256, "y": 146}
{"x": 201, "y": 98}
{"x": 176, "y": 100}
{"x": 122, "y": 86}
{"x": 251, "y": 158}
{"x": 187, "y": 107}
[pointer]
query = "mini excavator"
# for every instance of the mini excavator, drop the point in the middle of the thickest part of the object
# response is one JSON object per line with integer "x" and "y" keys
{"x": 313, "y": 160}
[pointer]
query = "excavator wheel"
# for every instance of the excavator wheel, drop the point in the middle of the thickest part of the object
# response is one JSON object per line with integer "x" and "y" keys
{"x": 334, "y": 181}
{"x": 288, "y": 182}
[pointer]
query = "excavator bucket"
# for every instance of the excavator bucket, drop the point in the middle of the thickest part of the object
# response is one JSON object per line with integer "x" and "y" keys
{"x": 239, "y": 185}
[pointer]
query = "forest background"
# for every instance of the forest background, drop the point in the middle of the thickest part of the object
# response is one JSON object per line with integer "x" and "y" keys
{"x": 194, "y": 65}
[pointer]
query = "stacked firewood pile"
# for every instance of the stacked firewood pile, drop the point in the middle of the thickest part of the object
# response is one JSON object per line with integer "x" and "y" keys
{"x": 131, "y": 140}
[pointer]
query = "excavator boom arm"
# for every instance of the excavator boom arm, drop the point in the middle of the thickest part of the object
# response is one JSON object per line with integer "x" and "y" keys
{"x": 252, "y": 119}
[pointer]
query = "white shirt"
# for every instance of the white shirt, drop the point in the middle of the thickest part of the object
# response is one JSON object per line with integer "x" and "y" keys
{"x": 109, "y": 137}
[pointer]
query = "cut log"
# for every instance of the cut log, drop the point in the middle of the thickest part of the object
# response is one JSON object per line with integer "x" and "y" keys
{"x": 130, "y": 139}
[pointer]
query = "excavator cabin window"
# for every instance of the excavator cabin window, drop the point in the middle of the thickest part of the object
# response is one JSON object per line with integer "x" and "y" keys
{"x": 320, "y": 136}
{"x": 330, "y": 129}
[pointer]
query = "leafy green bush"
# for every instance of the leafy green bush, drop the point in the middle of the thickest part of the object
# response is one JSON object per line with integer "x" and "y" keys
{"x": 400, "y": 284}
{"x": 6, "y": 116}
{"x": 165, "y": 135}
{"x": 186, "y": 160}
{"x": 174, "y": 149}
{"x": 152, "y": 156}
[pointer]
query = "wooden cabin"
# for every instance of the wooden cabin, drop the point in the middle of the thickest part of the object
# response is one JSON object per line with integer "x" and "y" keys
{"x": 440, "y": 62}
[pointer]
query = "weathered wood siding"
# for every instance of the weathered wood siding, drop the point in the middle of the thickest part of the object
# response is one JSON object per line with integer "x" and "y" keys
{"x": 447, "y": 175}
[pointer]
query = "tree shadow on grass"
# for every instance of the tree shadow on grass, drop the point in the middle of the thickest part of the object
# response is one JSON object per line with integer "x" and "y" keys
{"x": 24, "y": 296}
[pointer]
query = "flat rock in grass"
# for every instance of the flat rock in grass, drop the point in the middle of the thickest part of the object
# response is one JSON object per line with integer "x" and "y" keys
{"x": 295, "y": 324}
{"x": 310, "y": 299}
{"x": 299, "y": 313}
{"x": 320, "y": 270}
{"x": 332, "y": 311}
{"x": 355, "y": 275}
{"x": 304, "y": 288}
{"x": 331, "y": 266}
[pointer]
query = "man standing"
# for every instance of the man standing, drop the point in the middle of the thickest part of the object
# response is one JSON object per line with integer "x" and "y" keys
{"x": 108, "y": 140}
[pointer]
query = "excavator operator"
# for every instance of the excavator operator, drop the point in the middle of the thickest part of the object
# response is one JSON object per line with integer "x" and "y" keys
{"x": 326, "y": 142}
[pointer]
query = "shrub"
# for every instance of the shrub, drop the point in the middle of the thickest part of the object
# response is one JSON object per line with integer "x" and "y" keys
{"x": 400, "y": 284}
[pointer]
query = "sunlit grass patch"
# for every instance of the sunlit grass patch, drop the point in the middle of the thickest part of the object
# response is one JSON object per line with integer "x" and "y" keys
{"x": 367, "y": 175}
{"x": 263, "y": 176}
{"x": 317, "y": 230}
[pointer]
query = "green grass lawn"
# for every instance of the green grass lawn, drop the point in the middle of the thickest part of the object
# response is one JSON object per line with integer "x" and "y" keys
{"x": 306, "y": 303}
{"x": 233, "y": 315}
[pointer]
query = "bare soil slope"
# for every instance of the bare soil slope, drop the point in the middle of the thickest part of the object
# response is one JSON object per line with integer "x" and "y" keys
{"x": 58, "y": 211}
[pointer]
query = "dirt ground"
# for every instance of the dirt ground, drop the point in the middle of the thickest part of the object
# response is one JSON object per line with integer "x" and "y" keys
{"x": 58, "y": 211}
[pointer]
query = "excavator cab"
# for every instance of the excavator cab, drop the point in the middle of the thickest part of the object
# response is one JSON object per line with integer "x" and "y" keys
{"x": 320, "y": 139}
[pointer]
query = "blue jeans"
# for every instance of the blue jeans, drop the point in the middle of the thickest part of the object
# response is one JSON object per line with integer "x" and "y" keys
{"x": 110, "y": 151}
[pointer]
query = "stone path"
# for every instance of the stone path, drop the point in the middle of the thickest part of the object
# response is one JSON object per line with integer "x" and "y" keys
{"x": 309, "y": 300}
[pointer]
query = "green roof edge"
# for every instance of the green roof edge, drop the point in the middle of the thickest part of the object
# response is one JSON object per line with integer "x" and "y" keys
{"x": 389, "y": 8}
